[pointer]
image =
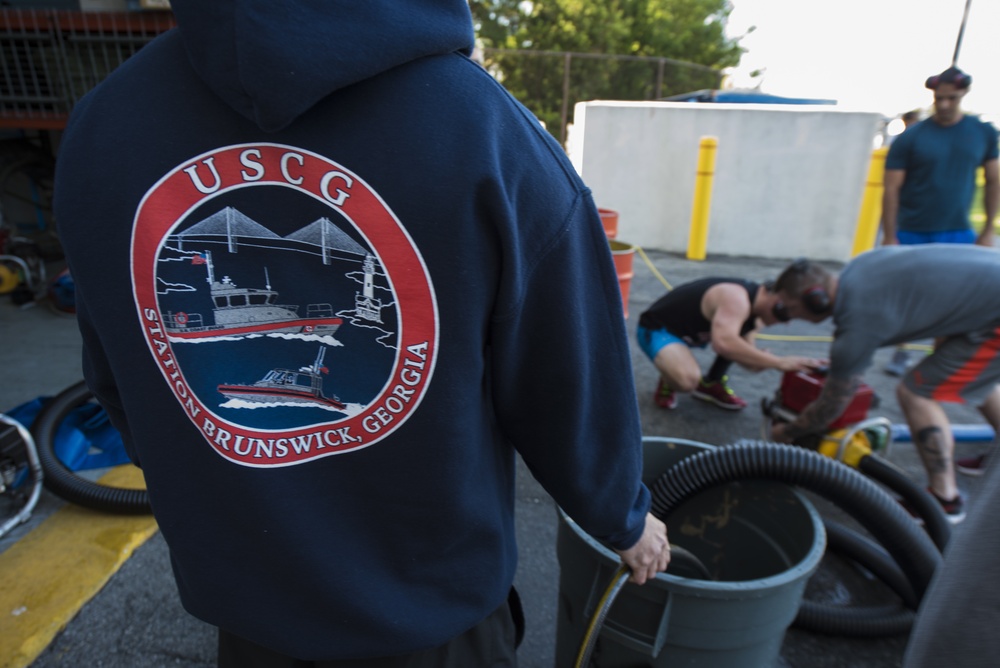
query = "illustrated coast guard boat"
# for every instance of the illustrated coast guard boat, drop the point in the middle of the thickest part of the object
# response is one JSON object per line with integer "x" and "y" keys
{"x": 241, "y": 311}
{"x": 286, "y": 386}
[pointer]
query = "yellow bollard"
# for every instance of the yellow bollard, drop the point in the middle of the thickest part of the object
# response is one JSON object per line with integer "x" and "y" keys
{"x": 698, "y": 236}
{"x": 871, "y": 204}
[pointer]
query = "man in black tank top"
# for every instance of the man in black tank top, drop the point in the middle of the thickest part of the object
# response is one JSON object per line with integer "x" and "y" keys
{"x": 723, "y": 312}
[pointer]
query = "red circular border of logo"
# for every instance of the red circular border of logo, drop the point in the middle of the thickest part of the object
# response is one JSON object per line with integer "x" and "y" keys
{"x": 172, "y": 199}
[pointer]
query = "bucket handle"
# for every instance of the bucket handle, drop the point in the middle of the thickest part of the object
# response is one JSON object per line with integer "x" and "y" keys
{"x": 620, "y": 633}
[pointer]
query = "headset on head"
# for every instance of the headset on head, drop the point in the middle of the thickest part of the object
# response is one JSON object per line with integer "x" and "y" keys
{"x": 952, "y": 75}
{"x": 815, "y": 298}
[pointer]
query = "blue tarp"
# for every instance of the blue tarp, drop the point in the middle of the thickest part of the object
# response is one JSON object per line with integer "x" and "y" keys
{"x": 86, "y": 439}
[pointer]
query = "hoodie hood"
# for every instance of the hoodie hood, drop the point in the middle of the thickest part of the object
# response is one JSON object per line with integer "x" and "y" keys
{"x": 271, "y": 62}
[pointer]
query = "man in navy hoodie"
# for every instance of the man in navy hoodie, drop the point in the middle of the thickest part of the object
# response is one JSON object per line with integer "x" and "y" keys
{"x": 330, "y": 278}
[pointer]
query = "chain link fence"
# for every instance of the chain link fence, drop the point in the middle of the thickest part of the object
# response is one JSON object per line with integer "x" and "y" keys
{"x": 51, "y": 58}
{"x": 550, "y": 83}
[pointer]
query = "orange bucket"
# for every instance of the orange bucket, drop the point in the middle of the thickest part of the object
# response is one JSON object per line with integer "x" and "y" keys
{"x": 623, "y": 255}
{"x": 609, "y": 219}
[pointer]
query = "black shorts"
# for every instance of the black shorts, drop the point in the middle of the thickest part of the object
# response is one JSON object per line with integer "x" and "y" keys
{"x": 489, "y": 644}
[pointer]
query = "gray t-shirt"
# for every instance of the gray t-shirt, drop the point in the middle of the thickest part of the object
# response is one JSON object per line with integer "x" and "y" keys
{"x": 896, "y": 294}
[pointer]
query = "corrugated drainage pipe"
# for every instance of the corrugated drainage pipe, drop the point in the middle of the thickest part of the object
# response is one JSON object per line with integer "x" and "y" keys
{"x": 855, "y": 621}
{"x": 63, "y": 482}
{"x": 861, "y": 498}
{"x": 923, "y": 504}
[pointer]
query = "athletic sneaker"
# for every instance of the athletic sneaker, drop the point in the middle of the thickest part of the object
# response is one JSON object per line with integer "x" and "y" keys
{"x": 720, "y": 394}
{"x": 954, "y": 510}
{"x": 664, "y": 397}
{"x": 974, "y": 466}
{"x": 899, "y": 363}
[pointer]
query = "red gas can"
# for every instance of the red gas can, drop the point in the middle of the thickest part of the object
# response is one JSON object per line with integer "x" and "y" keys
{"x": 799, "y": 389}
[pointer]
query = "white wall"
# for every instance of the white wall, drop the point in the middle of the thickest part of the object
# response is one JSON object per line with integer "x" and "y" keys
{"x": 788, "y": 178}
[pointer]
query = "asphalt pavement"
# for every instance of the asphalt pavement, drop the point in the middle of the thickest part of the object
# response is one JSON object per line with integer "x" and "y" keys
{"x": 136, "y": 620}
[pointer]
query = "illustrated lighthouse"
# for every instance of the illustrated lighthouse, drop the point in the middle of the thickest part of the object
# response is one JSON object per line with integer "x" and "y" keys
{"x": 366, "y": 305}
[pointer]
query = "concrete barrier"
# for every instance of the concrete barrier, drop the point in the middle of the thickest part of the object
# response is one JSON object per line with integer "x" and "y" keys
{"x": 789, "y": 179}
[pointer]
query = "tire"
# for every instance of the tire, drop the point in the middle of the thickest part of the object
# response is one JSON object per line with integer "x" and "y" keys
{"x": 63, "y": 482}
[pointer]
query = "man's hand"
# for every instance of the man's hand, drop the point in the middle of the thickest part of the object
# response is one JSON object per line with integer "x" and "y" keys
{"x": 794, "y": 363}
{"x": 651, "y": 554}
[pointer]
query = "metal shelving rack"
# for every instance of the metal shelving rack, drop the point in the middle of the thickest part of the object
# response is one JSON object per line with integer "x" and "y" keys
{"x": 49, "y": 59}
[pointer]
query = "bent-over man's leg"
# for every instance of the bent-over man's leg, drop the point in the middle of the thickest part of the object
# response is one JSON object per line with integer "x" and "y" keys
{"x": 991, "y": 409}
{"x": 931, "y": 433}
{"x": 976, "y": 465}
{"x": 963, "y": 368}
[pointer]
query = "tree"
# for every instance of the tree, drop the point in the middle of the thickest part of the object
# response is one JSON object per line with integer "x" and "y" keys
{"x": 495, "y": 20}
{"x": 664, "y": 47}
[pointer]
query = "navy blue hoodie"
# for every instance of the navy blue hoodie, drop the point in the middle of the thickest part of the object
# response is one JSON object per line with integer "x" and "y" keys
{"x": 330, "y": 277}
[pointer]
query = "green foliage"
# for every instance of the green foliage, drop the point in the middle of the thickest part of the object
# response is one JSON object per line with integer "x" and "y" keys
{"x": 689, "y": 30}
{"x": 495, "y": 20}
{"x": 667, "y": 47}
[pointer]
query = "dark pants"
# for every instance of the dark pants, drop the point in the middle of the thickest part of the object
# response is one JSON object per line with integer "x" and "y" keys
{"x": 490, "y": 644}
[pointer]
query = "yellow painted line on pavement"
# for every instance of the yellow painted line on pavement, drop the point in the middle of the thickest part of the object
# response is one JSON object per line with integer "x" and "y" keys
{"x": 50, "y": 573}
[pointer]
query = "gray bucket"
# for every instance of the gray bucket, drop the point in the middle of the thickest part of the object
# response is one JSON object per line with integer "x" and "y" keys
{"x": 760, "y": 540}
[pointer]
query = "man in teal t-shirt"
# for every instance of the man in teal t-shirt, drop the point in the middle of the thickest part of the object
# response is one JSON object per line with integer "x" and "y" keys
{"x": 930, "y": 178}
{"x": 930, "y": 172}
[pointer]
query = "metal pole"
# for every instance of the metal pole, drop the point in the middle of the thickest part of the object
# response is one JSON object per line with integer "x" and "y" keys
{"x": 961, "y": 32}
{"x": 565, "y": 101}
{"x": 698, "y": 236}
{"x": 866, "y": 231}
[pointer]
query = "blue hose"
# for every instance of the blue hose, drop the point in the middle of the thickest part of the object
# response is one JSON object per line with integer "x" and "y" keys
{"x": 961, "y": 432}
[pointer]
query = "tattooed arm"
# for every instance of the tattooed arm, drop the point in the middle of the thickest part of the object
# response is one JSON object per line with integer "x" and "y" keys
{"x": 832, "y": 401}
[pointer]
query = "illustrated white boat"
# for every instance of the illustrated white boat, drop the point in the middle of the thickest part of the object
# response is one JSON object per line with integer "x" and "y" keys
{"x": 240, "y": 311}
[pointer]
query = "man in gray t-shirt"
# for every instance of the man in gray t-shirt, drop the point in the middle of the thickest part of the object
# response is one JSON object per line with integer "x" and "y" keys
{"x": 905, "y": 293}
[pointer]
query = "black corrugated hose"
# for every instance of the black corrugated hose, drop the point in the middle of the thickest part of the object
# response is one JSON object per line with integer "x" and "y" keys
{"x": 930, "y": 511}
{"x": 879, "y": 620}
{"x": 856, "y": 621}
{"x": 63, "y": 482}
{"x": 860, "y": 549}
{"x": 860, "y": 497}
{"x": 908, "y": 545}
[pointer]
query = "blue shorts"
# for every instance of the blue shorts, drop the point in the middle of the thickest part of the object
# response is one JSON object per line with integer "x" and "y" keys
{"x": 949, "y": 237}
{"x": 652, "y": 341}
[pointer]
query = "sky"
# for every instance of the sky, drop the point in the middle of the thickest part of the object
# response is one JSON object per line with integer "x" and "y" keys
{"x": 871, "y": 55}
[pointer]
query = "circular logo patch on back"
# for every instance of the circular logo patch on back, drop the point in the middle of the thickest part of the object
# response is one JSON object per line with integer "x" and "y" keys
{"x": 285, "y": 304}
